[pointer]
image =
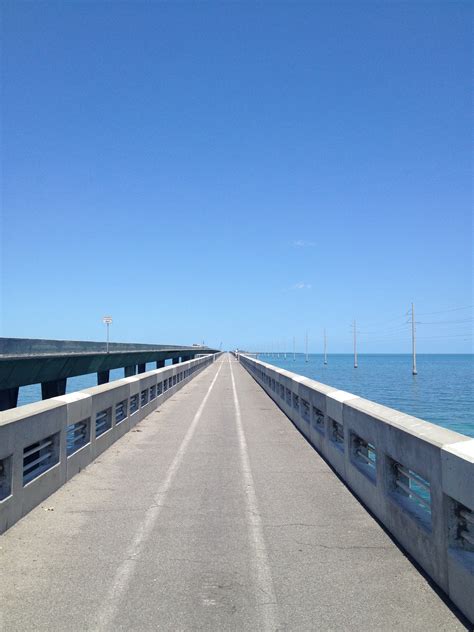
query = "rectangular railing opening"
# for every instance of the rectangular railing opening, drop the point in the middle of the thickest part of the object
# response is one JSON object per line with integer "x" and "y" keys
{"x": 412, "y": 491}
{"x": 144, "y": 397}
{"x": 152, "y": 392}
{"x": 463, "y": 531}
{"x": 5, "y": 477}
{"x": 296, "y": 402}
{"x": 364, "y": 456}
{"x": 103, "y": 421}
{"x": 336, "y": 433}
{"x": 121, "y": 411}
{"x": 39, "y": 457}
{"x": 134, "y": 403}
{"x": 159, "y": 388}
{"x": 318, "y": 419}
{"x": 305, "y": 408}
{"x": 78, "y": 435}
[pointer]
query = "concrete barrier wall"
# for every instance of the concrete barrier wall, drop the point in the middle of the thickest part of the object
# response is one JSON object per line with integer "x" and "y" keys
{"x": 35, "y": 346}
{"x": 416, "y": 477}
{"x": 43, "y": 445}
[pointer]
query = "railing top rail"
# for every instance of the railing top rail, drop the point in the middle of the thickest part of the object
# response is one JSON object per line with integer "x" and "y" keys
{"x": 28, "y": 410}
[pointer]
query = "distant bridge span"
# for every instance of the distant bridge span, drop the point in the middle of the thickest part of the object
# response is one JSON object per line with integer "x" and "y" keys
{"x": 50, "y": 363}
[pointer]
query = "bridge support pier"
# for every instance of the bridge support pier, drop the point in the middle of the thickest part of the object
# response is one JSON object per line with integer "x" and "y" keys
{"x": 175, "y": 360}
{"x": 53, "y": 388}
{"x": 141, "y": 368}
{"x": 103, "y": 377}
{"x": 185, "y": 358}
{"x": 129, "y": 371}
{"x": 160, "y": 364}
{"x": 8, "y": 398}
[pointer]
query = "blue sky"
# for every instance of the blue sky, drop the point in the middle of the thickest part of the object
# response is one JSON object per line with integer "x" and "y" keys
{"x": 238, "y": 172}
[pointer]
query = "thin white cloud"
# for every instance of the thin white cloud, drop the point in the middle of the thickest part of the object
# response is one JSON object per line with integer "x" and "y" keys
{"x": 301, "y": 243}
{"x": 301, "y": 285}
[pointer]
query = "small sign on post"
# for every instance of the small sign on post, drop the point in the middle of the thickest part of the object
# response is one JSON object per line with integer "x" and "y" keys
{"x": 107, "y": 321}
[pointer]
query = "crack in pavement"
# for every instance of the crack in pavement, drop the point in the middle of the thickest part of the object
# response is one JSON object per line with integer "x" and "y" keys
{"x": 343, "y": 548}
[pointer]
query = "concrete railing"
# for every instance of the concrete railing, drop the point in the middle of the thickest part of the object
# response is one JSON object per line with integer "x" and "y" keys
{"x": 43, "y": 445}
{"x": 416, "y": 477}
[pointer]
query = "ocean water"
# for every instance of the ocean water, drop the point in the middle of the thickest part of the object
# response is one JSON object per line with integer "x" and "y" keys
{"x": 442, "y": 392}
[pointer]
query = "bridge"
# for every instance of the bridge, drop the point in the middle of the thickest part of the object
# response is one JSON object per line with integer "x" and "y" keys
{"x": 26, "y": 361}
{"x": 223, "y": 493}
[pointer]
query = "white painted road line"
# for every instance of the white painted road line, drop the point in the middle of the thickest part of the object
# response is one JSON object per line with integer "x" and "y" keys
{"x": 125, "y": 570}
{"x": 264, "y": 589}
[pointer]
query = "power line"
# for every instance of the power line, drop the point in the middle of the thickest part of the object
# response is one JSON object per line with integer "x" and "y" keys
{"x": 431, "y": 337}
{"x": 445, "y": 311}
{"x": 403, "y": 327}
{"x": 447, "y": 322}
{"x": 386, "y": 322}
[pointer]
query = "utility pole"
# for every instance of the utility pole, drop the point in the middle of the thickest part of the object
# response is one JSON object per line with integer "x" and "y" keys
{"x": 306, "y": 345}
{"x": 413, "y": 339}
{"x": 325, "y": 349}
{"x": 355, "y": 345}
{"x": 294, "y": 352}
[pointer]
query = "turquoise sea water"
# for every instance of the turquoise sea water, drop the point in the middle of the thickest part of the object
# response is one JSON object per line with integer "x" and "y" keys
{"x": 442, "y": 392}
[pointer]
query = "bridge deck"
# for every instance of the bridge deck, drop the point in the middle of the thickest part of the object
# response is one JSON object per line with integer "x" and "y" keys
{"x": 213, "y": 514}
